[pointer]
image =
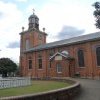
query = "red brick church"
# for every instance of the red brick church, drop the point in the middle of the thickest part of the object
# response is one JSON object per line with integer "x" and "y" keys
{"x": 66, "y": 58}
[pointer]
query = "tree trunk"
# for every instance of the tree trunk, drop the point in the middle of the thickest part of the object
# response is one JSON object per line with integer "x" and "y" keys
{"x": 4, "y": 74}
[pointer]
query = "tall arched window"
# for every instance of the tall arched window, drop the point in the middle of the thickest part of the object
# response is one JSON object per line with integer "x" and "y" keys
{"x": 98, "y": 55}
{"x": 40, "y": 61}
{"x": 81, "y": 58}
{"x": 59, "y": 68}
{"x": 30, "y": 63}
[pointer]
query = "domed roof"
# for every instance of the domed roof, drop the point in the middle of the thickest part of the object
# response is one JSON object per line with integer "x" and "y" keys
{"x": 33, "y": 16}
{"x": 33, "y": 21}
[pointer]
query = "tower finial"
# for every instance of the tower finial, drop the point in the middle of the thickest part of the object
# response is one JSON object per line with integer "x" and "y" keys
{"x": 33, "y": 10}
{"x": 43, "y": 29}
{"x": 23, "y": 29}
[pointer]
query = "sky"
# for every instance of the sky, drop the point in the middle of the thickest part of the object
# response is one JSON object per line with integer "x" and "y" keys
{"x": 61, "y": 18}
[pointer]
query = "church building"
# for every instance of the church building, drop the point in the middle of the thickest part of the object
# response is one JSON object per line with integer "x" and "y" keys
{"x": 77, "y": 56}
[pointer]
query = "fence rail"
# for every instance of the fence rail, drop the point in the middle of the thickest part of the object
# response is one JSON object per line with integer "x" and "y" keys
{"x": 14, "y": 82}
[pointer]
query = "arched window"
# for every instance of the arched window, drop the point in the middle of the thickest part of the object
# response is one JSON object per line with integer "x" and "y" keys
{"x": 59, "y": 68}
{"x": 98, "y": 55}
{"x": 30, "y": 63}
{"x": 40, "y": 61}
{"x": 27, "y": 44}
{"x": 81, "y": 58}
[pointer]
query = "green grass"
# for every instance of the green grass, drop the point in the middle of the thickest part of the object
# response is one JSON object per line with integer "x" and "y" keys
{"x": 36, "y": 87}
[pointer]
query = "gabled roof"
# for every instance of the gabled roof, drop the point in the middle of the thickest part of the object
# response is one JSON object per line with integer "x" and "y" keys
{"x": 74, "y": 40}
{"x": 62, "y": 54}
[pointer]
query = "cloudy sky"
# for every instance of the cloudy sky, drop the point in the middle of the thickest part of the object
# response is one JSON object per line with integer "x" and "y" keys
{"x": 61, "y": 18}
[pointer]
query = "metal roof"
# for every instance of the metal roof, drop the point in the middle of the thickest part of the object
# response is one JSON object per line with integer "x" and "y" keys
{"x": 33, "y": 16}
{"x": 74, "y": 40}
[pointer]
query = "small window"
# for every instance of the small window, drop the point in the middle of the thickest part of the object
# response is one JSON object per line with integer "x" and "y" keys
{"x": 30, "y": 63}
{"x": 59, "y": 68}
{"x": 98, "y": 55}
{"x": 40, "y": 63}
{"x": 81, "y": 58}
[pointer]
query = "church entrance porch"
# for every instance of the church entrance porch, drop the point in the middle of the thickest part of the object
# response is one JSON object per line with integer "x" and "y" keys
{"x": 61, "y": 65}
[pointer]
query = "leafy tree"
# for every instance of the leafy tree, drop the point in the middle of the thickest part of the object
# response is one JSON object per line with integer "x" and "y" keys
{"x": 17, "y": 70}
{"x": 96, "y": 13}
{"x": 7, "y": 66}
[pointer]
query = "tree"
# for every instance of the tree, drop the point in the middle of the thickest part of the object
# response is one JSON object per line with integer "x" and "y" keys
{"x": 96, "y": 13}
{"x": 7, "y": 66}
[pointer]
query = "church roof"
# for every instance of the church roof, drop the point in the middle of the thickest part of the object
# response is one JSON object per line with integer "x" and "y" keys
{"x": 75, "y": 40}
{"x": 33, "y": 16}
{"x": 62, "y": 54}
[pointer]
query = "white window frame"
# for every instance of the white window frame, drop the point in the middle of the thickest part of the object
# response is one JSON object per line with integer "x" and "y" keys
{"x": 59, "y": 68}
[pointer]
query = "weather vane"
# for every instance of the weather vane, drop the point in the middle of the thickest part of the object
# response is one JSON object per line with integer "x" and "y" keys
{"x": 33, "y": 10}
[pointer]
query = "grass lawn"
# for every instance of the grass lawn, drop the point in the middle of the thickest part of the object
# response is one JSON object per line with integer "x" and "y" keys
{"x": 36, "y": 87}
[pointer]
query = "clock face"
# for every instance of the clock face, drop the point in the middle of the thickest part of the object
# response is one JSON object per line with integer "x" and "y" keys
{"x": 40, "y": 36}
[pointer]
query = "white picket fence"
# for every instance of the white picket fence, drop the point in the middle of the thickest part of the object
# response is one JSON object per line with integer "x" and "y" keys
{"x": 14, "y": 82}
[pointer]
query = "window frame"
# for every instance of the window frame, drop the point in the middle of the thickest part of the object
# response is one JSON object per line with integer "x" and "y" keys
{"x": 96, "y": 56}
{"x": 30, "y": 64}
{"x": 59, "y": 67}
{"x": 81, "y": 63}
{"x": 40, "y": 66}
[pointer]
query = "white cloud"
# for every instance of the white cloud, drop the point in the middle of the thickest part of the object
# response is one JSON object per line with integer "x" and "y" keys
{"x": 57, "y": 13}
{"x": 10, "y": 53}
{"x": 21, "y": 0}
{"x": 14, "y": 44}
{"x": 69, "y": 32}
{"x": 10, "y": 25}
{"x": 11, "y": 15}
{"x": 53, "y": 15}
{"x": 11, "y": 18}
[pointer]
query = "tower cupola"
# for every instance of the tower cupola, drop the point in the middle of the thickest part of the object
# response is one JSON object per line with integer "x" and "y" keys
{"x": 33, "y": 21}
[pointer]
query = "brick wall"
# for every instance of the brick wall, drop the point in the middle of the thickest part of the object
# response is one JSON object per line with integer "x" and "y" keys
{"x": 90, "y": 70}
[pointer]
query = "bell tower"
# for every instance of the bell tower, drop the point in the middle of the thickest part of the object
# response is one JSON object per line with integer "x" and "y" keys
{"x": 33, "y": 21}
{"x": 33, "y": 36}
{"x": 30, "y": 39}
